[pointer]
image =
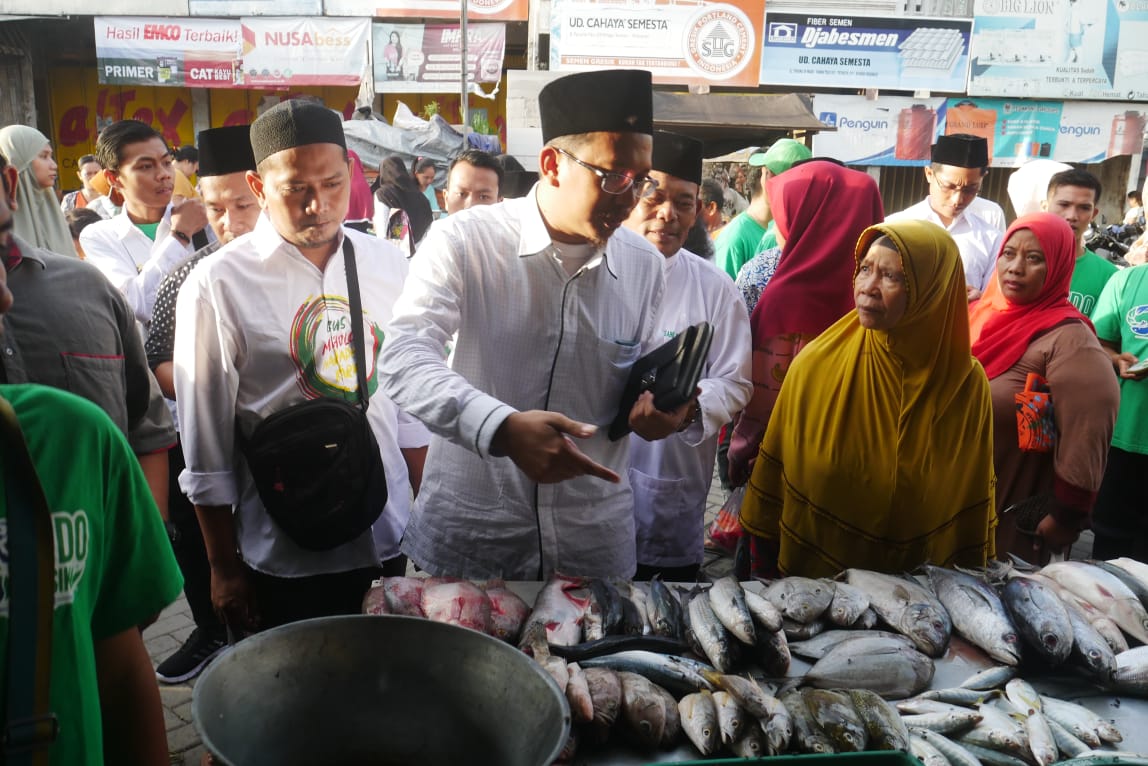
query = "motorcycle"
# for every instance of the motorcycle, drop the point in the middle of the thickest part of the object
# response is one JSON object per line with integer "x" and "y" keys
{"x": 1110, "y": 242}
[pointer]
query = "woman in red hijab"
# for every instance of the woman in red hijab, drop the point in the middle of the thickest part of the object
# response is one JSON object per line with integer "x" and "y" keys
{"x": 820, "y": 208}
{"x": 1035, "y": 347}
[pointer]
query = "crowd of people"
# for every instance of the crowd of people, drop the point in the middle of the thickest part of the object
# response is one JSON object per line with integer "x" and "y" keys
{"x": 312, "y": 383}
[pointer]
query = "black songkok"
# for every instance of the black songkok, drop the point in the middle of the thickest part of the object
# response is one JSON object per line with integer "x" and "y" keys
{"x": 961, "y": 150}
{"x": 611, "y": 101}
{"x": 294, "y": 123}
{"x": 678, "y": 155}
{"x": 225, "y": 150}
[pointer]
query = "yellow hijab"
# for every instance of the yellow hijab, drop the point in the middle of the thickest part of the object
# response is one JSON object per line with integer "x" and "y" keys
{"x": 879, "y": 452}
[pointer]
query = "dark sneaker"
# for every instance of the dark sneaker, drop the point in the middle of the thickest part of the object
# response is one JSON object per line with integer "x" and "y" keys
{"x": 191, "y": 658}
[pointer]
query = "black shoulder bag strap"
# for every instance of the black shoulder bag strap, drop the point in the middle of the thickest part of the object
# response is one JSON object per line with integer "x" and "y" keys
{"x": 31, "y": 727}
{"x": 357, "y": 330}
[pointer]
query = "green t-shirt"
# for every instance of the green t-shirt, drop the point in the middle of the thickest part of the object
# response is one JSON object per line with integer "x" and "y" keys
{"x": 114, "y": 564}
{"x": 1089, "y": 276}
{"x": 149, "y": 229}
{"x": 736, "y": 243}
{"x": 1121, "y": 318}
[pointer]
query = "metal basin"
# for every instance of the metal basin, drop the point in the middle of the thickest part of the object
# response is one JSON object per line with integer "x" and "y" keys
{"x": 378, "y": 690}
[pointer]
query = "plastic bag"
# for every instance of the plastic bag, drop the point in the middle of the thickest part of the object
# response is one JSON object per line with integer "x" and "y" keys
{"x": 725, "y": 530}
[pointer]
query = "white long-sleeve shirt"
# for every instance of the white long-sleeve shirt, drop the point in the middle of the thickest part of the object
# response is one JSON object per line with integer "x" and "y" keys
{"x": 258, "y": 329}
{"x": 671, "y": 477}
{"x": 131, "y": 261}
{"x": 978, "y": 239}
{"x": 530, "y": 336}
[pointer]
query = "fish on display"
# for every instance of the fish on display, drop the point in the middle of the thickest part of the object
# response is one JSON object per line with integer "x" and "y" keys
{"x": 578, "y": 694}
{"x": 1104, "y": 591}
{"x": 802, "y": 631}
{"x": 772, "y": 652}
{"x": 404, "y": 595}
{"x": 926, "y": 753}
{"x": 977, "y": 613}
{"x": 950, "y": 722}
{"x": 606, "y": 695}
{"x": 1041, "y": 618}
{"x": 957, "y": 696}
{"x": 1041, "y": 742}
{"x": 699, "y": 721}
{"x": 817, "y": 647}
{"x": 867, "y": 620}
{"x": 1135, "y": 569}
{"x": 998, "y": 730}
{"x": 989, "y": 757}
{"x": 1080, "y": 721}
{"x": 665, "y": 612}
{"x": 459, "y": 603}
{"x": 1066, "y": 743}
{"x": 637, "y": 593}
{"x": 614, "y": 644}
{"x": 732, "y": 719}
{"x": 633, "y": 619}
{"x": 847, "y": 606}
{"x": 906, "y": 606}
{"x": 1131, "y": 581}
{"x": 1023, "y": 697}
{"x": 990, "y": 678}
{"x": 643, "y": 709}
{"x": 559, "y": 608}
{"x": 751, "y": 745}
{"x": 801, "y": 599}
{"x": 888, "y": 668}
{"x": 534, "y": 643}
{"x": 767, "y": 616}
{"x": 883, "y": 724}
{"x": 673, "y": 728}
{"x": 833, "y": 711}
{"x": 678, "y": 674}
{"x": 745, "y": 692}
{"x": 508, "y": 612}
{"x": 728, "y": 602}
{"x": 1090, "y": 651}
{"x": 603, "y": 615}
{"x": 710, "y": 633}
{"x": 375, "y": 600}
{"x": 1132, "y": 670}
{"x": 778, "y": 729}
{"x": 954, "y": 753}
{"x": 806, "y": 733}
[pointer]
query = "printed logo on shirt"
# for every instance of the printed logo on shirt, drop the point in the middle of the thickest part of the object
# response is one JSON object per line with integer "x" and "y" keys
{"x": 323, "y": 352}
{"x": 1083, "y": 303}
{"x": 1137, "y": 318}
{"x": 71, "y": 532}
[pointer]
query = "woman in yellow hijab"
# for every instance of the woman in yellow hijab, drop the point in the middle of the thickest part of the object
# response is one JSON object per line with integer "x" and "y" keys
{"x": 879, "y": 452}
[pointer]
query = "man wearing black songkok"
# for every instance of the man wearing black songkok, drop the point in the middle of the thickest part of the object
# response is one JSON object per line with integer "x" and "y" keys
{"x": 552, "y": 302}
{"x": 264, "y": 324}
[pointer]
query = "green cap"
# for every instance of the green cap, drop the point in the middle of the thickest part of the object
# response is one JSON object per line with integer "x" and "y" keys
{"x": 781, "y": 156}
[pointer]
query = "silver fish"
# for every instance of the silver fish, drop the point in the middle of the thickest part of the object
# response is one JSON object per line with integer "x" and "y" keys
{"x": 1066, "y": 743}
{"x": 664, "y": 609}
{"x": 953, "y": 752}
{"x": 800, "y": 598}
{"x": 728, "y": 601}
{"x": 847, "y": 606}
{"x": 1040, "y": 739}
{"x": 1040, "y": 617}
{"x": 732, "y": 720}
{"x": 950, "y": 723}
{"x": 921, "y": 706}
{"x": 606, "y": 695}
{"x": 673, "y": 728}
{"x": 745, "y": 691}
{"x": 990, "y": 757}
{"x": 1132, "y": 670}
{"x": 764, "y": 613}
{"x": 883, "y": 724}
{"x": 1134, "y": 568}
{"x": 908, "y": 607}
{"x": 977, "y": 613}
{"x": 997, "y": 730}
{"x": 559, "y": 608}
{"x": 1104, "y": 591}
{"x": 1080, "y": 721}
{"x": 1023, "y": 697}
{"x": 751, "y": 745}
{"x": 807, "y": 735}
{"x": 867, "y": 620}
{"x": 891, "y": 670}
{"x": 643, "y": 709}
{"x": 956, "y": 696}
{"x": 1090, "y": 650}
{"x": 710, "y": 633}
{"x": 802, "y": 631}
{"x": 989, "y": 678}
{"x": 578, "y": 695}
{"x": 679, "y": 674}
{"x": 926, "y": 753}
{"x": 817, "y": 647}
{"x": 772, "y": 653}
{"x": 778, "y": 728}
{"x": 1132, "y": 581}
{"x": 833, "y": 711}
{"x": 640, "y": 598}
{"x": 699, "y": 720}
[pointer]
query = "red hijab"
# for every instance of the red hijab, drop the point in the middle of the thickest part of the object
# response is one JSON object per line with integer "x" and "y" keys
{"x": 820, "y": 208}
{"x": 1001, "y": 330}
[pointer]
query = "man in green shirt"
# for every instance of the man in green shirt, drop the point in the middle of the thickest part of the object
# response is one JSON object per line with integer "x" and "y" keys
{"x": 1073, "y": 195}
{"x": 741, "y": 239}
{"x": 1119, "y": 521}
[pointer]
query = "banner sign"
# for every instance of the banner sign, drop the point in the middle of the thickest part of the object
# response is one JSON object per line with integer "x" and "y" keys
{"x": 832, "y": 51}
{"x": 902, "y": 130}
{"x": 679, "y": 42}
{"x": 476, "y": 10}
{"x": 227, "y": 53}
{"x": 298, "y": 51}
{"x": 256, "y": 8}
{"x": 417, "y": 58}
{"x": 1065, "y": 49}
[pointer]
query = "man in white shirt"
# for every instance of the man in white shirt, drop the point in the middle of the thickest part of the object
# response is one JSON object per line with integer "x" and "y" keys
{"x": 262, "y": 325}
{"x": 959, "y": 164}
{"x": 139, "y": 247}
{"x": 671, "y": 477}
{"x": 553, "y": 302}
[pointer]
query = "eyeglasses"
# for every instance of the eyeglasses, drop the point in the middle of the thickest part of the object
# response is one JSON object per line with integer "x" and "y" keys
{"x": 971, "y": 190}
{"x": 617, "y": 183}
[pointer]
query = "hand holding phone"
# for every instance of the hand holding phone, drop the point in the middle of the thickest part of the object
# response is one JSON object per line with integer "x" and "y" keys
{"x": 1139, "y": 367}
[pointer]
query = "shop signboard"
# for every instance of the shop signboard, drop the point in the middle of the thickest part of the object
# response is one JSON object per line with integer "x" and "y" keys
{"x": 894, "y": 130}
{"x": 426, "y": 58}
{"x": 693, "y": 43}
{"x": 297, "y": 51}
{"x": 476, "y": 10}
{"x": 175, "y": 52}
{"x": 841, "y": 51}
{"x": 256, "y": 8}
{"x": 1063, "y": 49}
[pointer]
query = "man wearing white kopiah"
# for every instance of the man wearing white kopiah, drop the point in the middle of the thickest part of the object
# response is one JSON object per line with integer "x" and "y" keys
{"x": 263, "y": 326}
{"x": 553, "y": 302}
{"x": 671, "y": 477}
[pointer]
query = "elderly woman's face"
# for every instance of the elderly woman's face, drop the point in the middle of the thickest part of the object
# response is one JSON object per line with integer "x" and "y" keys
{"x": 1022, "y": 267}
{"x": 880, "y": 289}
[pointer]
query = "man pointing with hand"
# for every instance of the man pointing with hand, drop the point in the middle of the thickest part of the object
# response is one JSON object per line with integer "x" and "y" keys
{"x": 553, "y": 302}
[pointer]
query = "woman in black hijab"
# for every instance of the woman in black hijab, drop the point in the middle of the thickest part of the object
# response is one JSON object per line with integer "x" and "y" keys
{"x": 398, "y": 189}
